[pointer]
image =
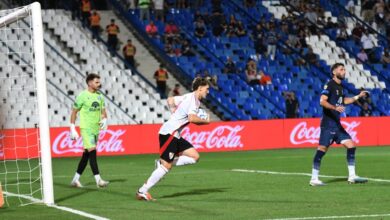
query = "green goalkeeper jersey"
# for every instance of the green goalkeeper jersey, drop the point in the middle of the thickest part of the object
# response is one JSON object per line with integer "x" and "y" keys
{"x": 91, "y": 106}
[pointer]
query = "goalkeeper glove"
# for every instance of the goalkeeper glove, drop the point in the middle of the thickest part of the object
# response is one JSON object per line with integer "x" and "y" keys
{"x": 73, "y": 133}
{"x": 103, "y": 124}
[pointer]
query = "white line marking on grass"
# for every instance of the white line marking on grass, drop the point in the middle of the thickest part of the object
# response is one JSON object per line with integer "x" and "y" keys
{"x": 333, "y": 217}
{"x": 300, "y": 174}
{"x": 67, "y": 209}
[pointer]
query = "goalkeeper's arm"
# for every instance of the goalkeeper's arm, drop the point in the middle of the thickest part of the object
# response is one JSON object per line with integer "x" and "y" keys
{"x": 103, "y": 122}
{"x": 73, "y": 133}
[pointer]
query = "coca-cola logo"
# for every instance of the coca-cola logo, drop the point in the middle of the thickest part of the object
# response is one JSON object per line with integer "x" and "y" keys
{"x": 223, "y": 136}
{"x": 301, "y": 133}
{"x": 109, "y": 141}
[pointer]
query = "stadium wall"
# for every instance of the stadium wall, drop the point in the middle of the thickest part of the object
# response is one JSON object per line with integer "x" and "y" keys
{"x": 219, "y": 136}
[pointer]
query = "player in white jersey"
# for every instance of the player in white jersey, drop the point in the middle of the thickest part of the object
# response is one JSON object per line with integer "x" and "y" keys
{"x": 175, "y": 150}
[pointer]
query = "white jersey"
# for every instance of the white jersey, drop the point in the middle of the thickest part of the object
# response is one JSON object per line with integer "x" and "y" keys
{"x": 185, "y": 105}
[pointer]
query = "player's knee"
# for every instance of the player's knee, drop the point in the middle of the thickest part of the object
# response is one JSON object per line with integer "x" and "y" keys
{"x": 196, "y": 157}
{"x": 166, "y": 165}
{"x": 322, "y": 148}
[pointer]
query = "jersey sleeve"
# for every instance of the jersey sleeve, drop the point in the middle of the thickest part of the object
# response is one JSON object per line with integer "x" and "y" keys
{"x": 78, "y": 104}
{"x": 326, "y": 90}
{"x": 178, "y": 99}
{"x": 193, "y": 108}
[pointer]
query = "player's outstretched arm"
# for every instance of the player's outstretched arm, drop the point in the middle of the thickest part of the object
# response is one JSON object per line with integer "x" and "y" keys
{"x": 351, "y": 100}
{"x": 103, "y": 121}
{"x": 192, "y": 118}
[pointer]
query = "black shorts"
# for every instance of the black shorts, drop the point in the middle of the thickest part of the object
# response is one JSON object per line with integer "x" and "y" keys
{"x": 170, "y": 146}
{"x": 330, "y": 135}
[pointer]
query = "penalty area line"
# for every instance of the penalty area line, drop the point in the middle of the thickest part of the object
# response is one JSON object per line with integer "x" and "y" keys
{"x": 300, "y": 174}
{"x": 63, "y": 208}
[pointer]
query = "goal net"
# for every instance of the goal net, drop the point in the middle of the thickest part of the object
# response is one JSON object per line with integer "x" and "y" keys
{"x": 25, "y": 160}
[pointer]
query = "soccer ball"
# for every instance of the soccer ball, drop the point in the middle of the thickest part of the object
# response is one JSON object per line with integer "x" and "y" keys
{"x": 202, "y": 114}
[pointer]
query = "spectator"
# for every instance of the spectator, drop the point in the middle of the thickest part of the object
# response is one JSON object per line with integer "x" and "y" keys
{"x": 171, "y": 32}
{"x": 385, "y": 57}
{"x": 200, "y": 28}
{"x": 230, "y": 66}
{"x": 292, "y": 105}
{"x": 95, "y": 24}
{"x": 159, "y": 9}
{"x": 176, "y": 90}
{"x": 252, "y": 76}
{"x": 143, "y": 6}
{"x": 250, "y": 3}
{"x": 240, "y": 30}
{"x": 85, "y": 12}
{"x": 311, "y": 58}
{"x": 362, "y": 56}
{"x": 186, "y": 49}
{"x": 367, "y": 10}
{"x": 329, "y": 23}
{"x": 169, "y": 50}
{"x": 112, "y": 40}
{"x": 161, "y": 76}
{"x": 152, "y": 30}
{"x": 218, "y": 23}
{"x": 258, "y": 38}
{"x": 365, "y": 110}
{"x": 351, "y": 6}
{"x": 368, "y": 45}
{"x": 272, "y": 39}
{"x": 342, "y": 34}
{"x": 264, "y": 79}
{"x": 357, "y": 32}
{"x": 129, "y": 51}
{"x": 231, "y": 30}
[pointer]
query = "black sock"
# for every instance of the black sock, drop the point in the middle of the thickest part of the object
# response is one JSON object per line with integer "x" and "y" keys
{"x": 93, "y": 162}
{"x": 83, "y": 162}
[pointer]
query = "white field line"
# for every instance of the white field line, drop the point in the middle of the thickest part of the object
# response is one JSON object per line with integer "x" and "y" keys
{"x": 67, "y": 209}
{"x": 333, "y": 217}
{"x": 300, "y": 174}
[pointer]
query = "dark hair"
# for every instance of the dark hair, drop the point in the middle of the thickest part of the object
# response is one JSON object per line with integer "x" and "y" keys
{"x": 91, "y": 77}
{"x": 335, "y": 66}
{"x": 199, "y": 81}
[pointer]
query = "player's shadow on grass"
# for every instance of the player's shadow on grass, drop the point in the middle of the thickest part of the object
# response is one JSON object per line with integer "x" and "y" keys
{"x": 335, "y": 180}
{"x": 196, "y": 192}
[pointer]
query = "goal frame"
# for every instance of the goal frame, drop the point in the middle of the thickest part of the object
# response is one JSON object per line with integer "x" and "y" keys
{"x": 34, "y": 10}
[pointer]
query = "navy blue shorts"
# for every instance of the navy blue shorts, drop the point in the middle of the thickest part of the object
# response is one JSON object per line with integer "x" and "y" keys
{"x": 330, "y": 135}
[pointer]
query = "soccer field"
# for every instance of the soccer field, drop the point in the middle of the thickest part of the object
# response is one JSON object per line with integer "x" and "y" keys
{"x": 267, "y": 184}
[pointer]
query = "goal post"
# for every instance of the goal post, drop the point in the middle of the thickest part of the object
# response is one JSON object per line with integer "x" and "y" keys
{"x": 38, "y": 67}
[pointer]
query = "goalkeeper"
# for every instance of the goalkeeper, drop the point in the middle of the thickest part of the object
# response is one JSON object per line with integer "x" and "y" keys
{"x": 93, "y": 118}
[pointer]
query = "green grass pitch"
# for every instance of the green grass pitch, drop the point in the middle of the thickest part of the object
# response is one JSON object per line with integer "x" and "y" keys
{"x": 211, "y": 190}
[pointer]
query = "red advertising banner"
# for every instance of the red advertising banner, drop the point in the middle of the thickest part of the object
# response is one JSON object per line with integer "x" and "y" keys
{"x": 219, "y": 136}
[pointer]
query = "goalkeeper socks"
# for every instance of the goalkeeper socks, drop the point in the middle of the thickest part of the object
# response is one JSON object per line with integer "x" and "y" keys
{"x": 156, "y": 176}
{"x": 76, "y": 177}
{"x": 83, "y": 162}
{"x": 316, "y": 164}
{"x": 93, "y": 162}
{"x": 97, "y": 178}
{"x": 351, "y": 161}
{"x": 184, "y": 160}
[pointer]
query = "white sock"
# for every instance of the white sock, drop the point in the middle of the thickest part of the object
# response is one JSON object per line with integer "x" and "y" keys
{"x": 184, "y": 160}
{"x": 97, "y": 178}
{"x": 351, "y": 170}
{"x": 76, "y": 177}
{"x": 156, "y": 176}
{"x": 314, "y": 174}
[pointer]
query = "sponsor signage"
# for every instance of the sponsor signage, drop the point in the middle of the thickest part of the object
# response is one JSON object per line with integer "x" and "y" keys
{"x": 219, "y": 136}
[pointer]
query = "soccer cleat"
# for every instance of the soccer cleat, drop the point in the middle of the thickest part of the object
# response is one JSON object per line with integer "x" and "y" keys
{"x": 102, "y": 183}
{"x": 356, "y": 179}
{"x": 144, "y": 196}
{"x": 316, "y": 182}
{"x": 76, "y": 184}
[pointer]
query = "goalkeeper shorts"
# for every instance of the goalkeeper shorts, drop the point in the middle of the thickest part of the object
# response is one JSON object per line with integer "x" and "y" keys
{"x": 90, "y": 138}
